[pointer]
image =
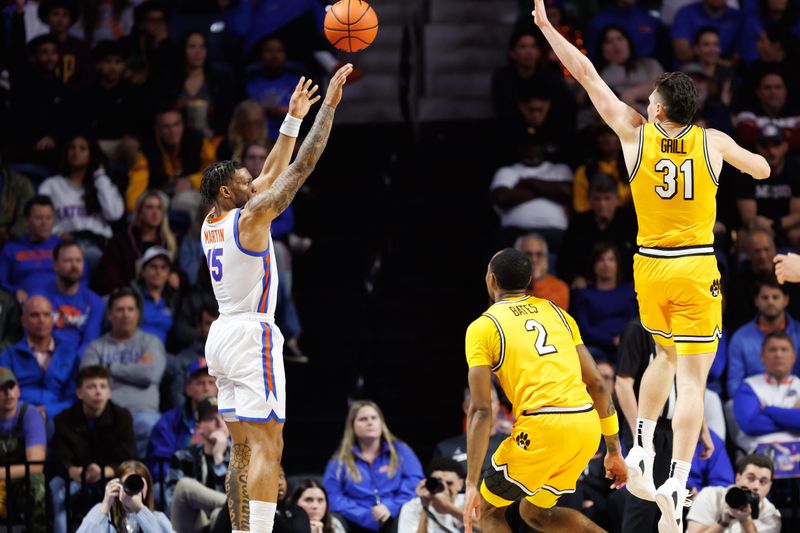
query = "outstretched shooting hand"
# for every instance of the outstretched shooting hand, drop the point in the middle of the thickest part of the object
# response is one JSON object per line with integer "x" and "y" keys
{"x": 303, "y": 98}
{"x": 334, "y": 94}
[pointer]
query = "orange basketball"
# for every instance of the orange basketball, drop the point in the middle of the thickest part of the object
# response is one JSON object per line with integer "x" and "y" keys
{"x": 351, "y": 25}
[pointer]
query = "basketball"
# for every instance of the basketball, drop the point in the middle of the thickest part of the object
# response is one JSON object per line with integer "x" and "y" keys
{"x": 351, "y": 25}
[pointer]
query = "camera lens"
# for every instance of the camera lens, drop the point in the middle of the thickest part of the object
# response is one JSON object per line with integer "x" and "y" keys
{"x": 434, "y": 485}
{"x": 736, "y": 498}
{"x": 133, "y": 484}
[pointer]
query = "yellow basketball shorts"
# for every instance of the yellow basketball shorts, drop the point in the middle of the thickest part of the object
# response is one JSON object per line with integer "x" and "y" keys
{"x": 680, "y": 301}
{"x": 542, "y": 459}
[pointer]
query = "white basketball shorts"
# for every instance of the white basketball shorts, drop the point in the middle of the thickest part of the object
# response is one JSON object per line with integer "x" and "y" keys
{"x": 245, "y": 354}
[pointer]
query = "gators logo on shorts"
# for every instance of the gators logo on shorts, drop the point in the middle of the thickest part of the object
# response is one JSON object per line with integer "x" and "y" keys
{"x": 714, "y": 288}
{"x": 523, "y": 441}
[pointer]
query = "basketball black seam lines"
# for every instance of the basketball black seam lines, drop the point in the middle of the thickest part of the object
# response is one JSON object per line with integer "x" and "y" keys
{"x": 354, "y": 31}
{"x": 349, "y": 39}
{"x": 349, "y": 42}
{"x": 360, "y": 16}
{"x": 333, "y": 13}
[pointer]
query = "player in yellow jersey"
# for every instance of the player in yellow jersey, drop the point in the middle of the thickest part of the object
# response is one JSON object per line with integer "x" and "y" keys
{"x": 673, "y": 167}
{"x": 536, "y": 351}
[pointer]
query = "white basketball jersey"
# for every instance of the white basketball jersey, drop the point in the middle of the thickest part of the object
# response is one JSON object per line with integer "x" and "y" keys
{"x": 244, "y": 281}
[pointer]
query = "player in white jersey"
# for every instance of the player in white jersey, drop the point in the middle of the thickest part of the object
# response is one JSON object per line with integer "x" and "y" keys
{"x": 243, "y": 349}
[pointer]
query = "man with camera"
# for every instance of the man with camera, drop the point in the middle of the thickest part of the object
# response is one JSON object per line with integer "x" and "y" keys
{"x": 196, "y": 480}
{"x": 744, "y": 507}
{"x": 439, "y": 504}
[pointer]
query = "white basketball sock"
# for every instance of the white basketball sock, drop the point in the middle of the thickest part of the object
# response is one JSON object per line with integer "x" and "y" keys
{"x": 644, "y": 433}
{"x": 262, "y": 516}
{"x": 680, "y": 471}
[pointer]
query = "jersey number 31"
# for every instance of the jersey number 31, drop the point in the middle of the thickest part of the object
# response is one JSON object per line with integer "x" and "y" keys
{"x": 670, "y": 171}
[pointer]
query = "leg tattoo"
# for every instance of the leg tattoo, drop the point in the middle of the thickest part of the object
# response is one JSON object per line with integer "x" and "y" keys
{"x": 236, "y": 487}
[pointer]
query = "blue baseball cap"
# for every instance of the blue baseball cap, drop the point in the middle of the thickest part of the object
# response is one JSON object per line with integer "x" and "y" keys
{"x": 195, "y": 367}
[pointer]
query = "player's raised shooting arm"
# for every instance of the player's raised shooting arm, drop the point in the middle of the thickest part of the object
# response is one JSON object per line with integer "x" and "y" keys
{"x": 620, "y": 117}
{"x": 744, "y": 160}
{"x": 280, "y": 194}
{"x": 601, "y": 396}
{"x": 281, "y": 154}
{"x": 479, "y": 420}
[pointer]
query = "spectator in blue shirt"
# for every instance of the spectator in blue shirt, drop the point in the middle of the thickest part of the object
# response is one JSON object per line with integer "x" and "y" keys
{"x": 604, "y": 307}
{"x": 691, "y": 18}
{"x": 157, "y": 295}
{"x": 744, "y": 351}
{"x": 714, "y": 471}
{"x": 46, "y": 370}
{"x": 28, "y": 261}
{"x": 372, "y": 474}
{"x": 766, "y": 14}
{"x": 175, "y": 429}
{"x": 765, "y": 404}
{"x": 644, "y": 29}
{"x": 272, "y": 83}
{"x": 77, "y": 311}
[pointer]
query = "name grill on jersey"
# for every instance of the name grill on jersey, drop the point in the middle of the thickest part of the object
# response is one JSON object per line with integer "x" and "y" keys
{"x": 213, "y": 236}
{"x": 672, "y": 146}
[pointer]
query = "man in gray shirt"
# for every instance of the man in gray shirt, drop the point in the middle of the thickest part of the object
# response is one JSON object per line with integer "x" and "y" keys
{"x": 135, "y": 360}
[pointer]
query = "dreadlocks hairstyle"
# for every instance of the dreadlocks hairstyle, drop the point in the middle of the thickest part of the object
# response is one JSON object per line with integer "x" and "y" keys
{"x": 215, "y": 176}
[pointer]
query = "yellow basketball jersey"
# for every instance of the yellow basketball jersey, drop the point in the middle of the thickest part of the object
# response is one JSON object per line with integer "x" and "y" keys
{"x": 674, "y": 188}
{"x": 529, "y": 343}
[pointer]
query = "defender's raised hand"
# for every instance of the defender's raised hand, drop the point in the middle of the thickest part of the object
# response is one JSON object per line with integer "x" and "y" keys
{"x": 540, "y": 13}
{"x": 334, "y": 94}
{"x": 303, "y": 98}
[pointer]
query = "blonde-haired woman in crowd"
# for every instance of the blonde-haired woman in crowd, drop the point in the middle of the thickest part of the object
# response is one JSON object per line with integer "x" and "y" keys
{"x": 372, "y": 474}
{"x": 247, "y": 126}
{"x": 149, "y": 227}
{"x": 129, "y": 511}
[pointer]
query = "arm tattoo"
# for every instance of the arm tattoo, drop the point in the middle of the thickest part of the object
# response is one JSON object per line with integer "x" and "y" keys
{"x": 612, "y": 445}
{"x": 236, "y": 487}
{"x": 282, "y": 192}
{"x": 610, "y": 411}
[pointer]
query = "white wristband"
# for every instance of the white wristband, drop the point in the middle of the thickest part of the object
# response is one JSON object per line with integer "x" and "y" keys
{"x": 291, "y": 126}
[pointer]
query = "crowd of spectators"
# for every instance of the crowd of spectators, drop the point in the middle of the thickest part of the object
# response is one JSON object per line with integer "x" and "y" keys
{"x": 112, "y": 108}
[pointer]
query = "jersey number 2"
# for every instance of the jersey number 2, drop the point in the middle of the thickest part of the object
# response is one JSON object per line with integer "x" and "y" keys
{"x": 541, "y": 337}
{"x": 215, "y": 263}
{"x": 670, "y": 171}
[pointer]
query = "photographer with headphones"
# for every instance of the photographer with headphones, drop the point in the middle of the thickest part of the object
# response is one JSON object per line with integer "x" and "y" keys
{"x": 439, "y": 504}
{"x": 743, "y": 507}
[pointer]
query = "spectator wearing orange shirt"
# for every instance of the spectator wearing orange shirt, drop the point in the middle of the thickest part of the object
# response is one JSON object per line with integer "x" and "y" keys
{"x": 543, "y": 285}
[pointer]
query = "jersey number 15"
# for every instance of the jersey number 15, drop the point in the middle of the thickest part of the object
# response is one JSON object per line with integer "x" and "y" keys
{"x": 214, "y": 258}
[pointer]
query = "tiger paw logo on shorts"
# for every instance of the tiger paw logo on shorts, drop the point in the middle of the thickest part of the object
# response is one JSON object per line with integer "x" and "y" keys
{"x": 714, "y": 288}
{"x": 523, "y": 441}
